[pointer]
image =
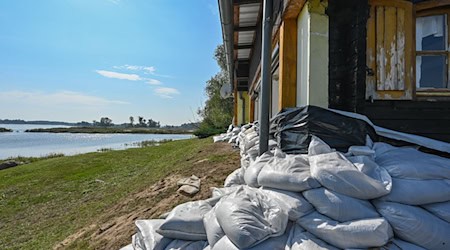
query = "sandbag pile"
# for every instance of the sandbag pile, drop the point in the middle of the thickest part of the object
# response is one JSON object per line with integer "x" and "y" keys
{"x": 230, "y": 136}
{"x": 374, "y": 195}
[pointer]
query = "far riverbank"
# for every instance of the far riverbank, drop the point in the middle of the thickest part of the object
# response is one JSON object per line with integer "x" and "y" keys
{"x": 108, "y": 130}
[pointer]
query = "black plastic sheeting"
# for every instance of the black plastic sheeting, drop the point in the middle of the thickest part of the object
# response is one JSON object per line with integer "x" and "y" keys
{"x": 293, "y": 128}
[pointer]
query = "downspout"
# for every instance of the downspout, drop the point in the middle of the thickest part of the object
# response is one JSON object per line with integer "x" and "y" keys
{"x": 226, "y": 17}
{"x": 266, "y": 65}
{"x": 243, "y": 107}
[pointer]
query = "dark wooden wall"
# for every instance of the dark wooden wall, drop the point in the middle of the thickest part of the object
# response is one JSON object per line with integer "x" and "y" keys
{"x": 347, "y": 67}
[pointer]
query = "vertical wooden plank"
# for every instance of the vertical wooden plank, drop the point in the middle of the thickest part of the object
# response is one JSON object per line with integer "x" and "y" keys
{"x": 401, "y": 70}
{"x": 235, "y": 120}
{"x": 371, "y": 54}
{"x": 380, "y": 52}
{"x": 390, "y": 47}
{"x": 288, "y": 64}
{"x": 252, "y": 109}
{"x": 409, "y": 76}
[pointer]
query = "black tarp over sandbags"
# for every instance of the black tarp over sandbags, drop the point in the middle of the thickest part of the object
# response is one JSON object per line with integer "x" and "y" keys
{"x": 293, "y": 128}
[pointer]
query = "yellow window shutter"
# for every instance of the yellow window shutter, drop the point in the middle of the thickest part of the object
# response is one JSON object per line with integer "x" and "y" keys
{"x": 390, "y": 50}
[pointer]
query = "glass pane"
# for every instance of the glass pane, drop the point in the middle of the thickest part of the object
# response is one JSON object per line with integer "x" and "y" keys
{"x": 431, "y": 33}
{"x": 431, "y": 71}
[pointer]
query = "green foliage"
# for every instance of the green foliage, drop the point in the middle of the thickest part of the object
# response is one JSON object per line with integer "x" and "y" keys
{"x": 206, "y": 130}
{"x": 218, "y": 112}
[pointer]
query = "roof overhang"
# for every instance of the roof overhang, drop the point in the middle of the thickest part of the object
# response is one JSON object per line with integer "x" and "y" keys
{"x": 239, "y": 20}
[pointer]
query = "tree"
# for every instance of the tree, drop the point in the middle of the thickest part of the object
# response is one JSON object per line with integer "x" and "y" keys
{"x": 153, "y": 124}
{"x": 105, "y": 122}
{"x": 217, "y": 112}
{"x": 141, "y": 121}
{"x": 131, "y": 121}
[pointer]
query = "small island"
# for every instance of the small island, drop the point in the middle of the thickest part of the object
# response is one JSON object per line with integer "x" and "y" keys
{"x": 2, "y": 130}
{"x": 110, "y": 130}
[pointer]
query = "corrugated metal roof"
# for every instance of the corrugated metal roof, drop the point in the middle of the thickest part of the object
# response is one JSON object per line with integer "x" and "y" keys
{"x": 248, "y": 14}
{"x": 245, "y": 37}
{"x": 243, "y": 53}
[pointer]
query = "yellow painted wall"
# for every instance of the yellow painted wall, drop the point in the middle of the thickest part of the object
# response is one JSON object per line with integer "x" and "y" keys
{"x": 312, "y": 62}
{"x": 240, "y": 103}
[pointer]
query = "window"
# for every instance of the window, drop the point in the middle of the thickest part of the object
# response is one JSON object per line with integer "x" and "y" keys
{"x": 432, "y": 54}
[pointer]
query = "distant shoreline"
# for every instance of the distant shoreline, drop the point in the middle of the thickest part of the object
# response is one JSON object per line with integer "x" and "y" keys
{"x": 109, "y": 130}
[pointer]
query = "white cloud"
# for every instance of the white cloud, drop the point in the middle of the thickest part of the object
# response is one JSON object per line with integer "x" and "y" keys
{"x": 57, "y": 98}
{"x": 116, "y": 75}
{"x": 145, "y": 69}
{"x": 165, "y": 92}
{"x": 153, "y": 82}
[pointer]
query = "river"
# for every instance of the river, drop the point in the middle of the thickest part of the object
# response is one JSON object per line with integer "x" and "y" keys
{"x": 19, "y": 143}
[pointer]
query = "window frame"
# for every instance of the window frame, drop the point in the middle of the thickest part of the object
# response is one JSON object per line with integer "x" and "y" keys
{"x": 432, "y": 8}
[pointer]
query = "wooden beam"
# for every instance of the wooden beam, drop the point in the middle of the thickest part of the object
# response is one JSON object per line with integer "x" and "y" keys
{"x": 243, "y": 46}
{"x": 292, "y": 8}
{"x": 240, "y": 2}
{"x": 235, "y": 120}
{"x": 246, "y": 28}
{"x": 288, "y": 64}
{"x": 431, "y": 4}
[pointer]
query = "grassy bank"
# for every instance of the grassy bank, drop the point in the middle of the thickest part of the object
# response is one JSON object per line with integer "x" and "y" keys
{"x": 72, "y": 199}
{"x": 5, "y": 130}
{"x": 109, "y": 130}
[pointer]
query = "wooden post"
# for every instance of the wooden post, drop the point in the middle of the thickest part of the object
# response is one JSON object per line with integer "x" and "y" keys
{"x": 288, "y": 64}
{"x": 252, "y": 109}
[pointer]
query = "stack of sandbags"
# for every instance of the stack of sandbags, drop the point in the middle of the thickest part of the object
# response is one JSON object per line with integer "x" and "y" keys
{"x": 373, "y": 196}
{"x": 230, "y": 136}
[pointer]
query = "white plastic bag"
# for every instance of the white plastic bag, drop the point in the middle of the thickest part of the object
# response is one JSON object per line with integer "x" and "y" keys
{"x": 287, "y": 172}
{"x": 292, "y": 202}
{"x": 214, "y": 231}
{"x": 360, "y": 178}
{"x": 416, "y": 225}
{"x": 364, "y": 233}
{"x": 185, "y": 221}
{"x": 409, "y": 163}
{"x": 418, "y": 192}
{"x": 186, "y": 245}
{"x": 441, "y": 210}
{"x": 299, "y": 239}
{"x": 234, "y": 179}
{"x": 252, "y": 172}
{"x": 146, "y": 236}
{"x": 248, "y": 217}
{"x": 340, "y": 207}
{"x": 397, "y": 244}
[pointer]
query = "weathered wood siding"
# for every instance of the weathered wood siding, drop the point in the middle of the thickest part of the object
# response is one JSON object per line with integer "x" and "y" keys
{"x": 348, "y": 71}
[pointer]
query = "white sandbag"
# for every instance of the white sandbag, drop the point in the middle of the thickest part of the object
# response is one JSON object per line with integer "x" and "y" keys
{"x": 274, "y": 243}
{"x": 441, "y": 210}
{"x": 186, "y": 245}
{"x": 416, "y": 225}
{"x": 292, "y": 202}
{"x": 360, "y": 178}
{"x": 248, "y": 217}
{"x": 287, "y": 172}
{"x": 397, "y": 244}
{"x": 361, "y": 151}
{"x": 352, "y": 234}
{"x": 214, "y": 231}
{"x": 234, "y": 179}
{"x": 128, "y": 247}
{"x": 418, "y": 192}
{"x": 340, "y": 207}
{"x": 409, "y": 163}
{"x": 185, "y": 221}
{"x": 146, "y": 236}
{"x": 219, "y": 192}
{"x": 252, "y": 172}
{"x": 299, "y": 239}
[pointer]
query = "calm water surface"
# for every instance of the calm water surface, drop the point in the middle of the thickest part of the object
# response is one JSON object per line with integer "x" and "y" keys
{"x": 19, "y": 143}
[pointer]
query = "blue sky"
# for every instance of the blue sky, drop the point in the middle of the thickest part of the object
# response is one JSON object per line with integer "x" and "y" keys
{"x": 73, "y": 60}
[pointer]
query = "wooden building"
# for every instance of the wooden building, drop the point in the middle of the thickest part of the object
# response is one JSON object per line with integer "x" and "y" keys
{"x": 386, "y": 59}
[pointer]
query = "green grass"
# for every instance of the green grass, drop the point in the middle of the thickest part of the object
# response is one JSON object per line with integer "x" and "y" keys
{"x": 43, "y": 202}
{"x": 109, "y": 130}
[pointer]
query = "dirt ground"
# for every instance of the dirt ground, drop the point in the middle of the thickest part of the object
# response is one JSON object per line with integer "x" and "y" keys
{"x": 115, "y": 227}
